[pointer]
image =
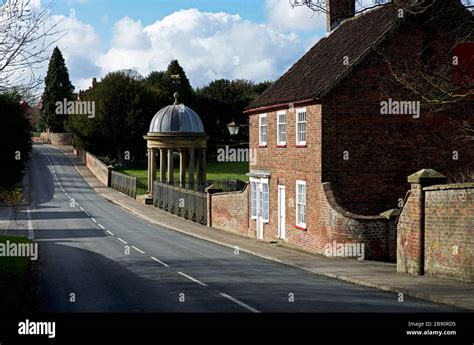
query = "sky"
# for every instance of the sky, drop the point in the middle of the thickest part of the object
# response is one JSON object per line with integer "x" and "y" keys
{"x": 234, "y": 39}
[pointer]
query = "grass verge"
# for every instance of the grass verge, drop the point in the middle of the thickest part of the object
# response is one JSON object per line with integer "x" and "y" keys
{"x": 17, "y": 281}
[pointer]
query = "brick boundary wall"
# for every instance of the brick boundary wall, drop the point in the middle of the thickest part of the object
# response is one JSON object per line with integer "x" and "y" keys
{"x": 230, "y": 211}
{"x": 95, "y": 165}
{"x": 449, "y": 232}
{"x": 377, "y": 233}
{"x": 436, "y": 232}
{"x": 56, "y": 139}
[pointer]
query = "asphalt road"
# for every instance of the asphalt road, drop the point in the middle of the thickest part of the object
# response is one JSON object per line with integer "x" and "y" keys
{"x": 96, "y": 257}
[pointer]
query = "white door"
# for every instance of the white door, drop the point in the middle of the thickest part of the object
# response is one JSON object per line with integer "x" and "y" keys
{"x": 281, "y": 212}
{"x": 259, "y": 211}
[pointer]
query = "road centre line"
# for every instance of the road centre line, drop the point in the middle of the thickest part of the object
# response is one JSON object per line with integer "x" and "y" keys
{"x": 192, "y": 279}
{"x": 242, "y": 304}
{"x": 159, "y": 261}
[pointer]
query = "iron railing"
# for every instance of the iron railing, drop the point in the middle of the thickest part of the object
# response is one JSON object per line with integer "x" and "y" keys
{"x": 124, "y": 183}
{"x": 185, "y": 203}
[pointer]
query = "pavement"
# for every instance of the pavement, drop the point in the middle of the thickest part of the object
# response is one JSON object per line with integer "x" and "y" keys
{"x": 379, "y": 275}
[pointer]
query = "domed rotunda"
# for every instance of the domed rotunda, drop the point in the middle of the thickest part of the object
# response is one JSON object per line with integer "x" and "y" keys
{"x": 176, "y": 129}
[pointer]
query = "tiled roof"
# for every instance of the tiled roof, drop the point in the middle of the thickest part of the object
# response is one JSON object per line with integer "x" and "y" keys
{"x": 322, "y": 66}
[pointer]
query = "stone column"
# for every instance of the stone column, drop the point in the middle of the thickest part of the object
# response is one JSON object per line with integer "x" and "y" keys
{"x": 170, "y": 167}
{"x": 150, "y": 171}
{"x": 153, "y": 164}
{"x": 411, "y": 225}
{"x": 163, "y": 165}
{"x": 191, "y": 166}
{"x": 198, "y": 165}
{"x": 182, "y": 168}
{"x": 202, "y": 165}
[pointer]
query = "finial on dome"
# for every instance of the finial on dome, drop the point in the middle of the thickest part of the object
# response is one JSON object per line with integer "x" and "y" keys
{"x": 176, "y": 96}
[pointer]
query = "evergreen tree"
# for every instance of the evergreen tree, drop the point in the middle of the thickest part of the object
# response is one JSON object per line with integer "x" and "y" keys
{"x": 57, "y": 88}
{"x": 170, "y": 85}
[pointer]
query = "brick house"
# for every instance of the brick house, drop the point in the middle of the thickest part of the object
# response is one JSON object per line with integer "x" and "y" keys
{"x": 328, "y": 161}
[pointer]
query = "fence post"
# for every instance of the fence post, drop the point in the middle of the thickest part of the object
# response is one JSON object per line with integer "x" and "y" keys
{"x": 413, "y": 259}
{"x": 110, "y": 168}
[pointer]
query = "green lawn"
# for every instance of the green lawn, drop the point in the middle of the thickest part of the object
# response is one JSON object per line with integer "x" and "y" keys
{"x": 15, "y": 280}
{"x": 215, "y": 171}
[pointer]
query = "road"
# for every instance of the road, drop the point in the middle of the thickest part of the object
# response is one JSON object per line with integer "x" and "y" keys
{"x": 96, "y": 257}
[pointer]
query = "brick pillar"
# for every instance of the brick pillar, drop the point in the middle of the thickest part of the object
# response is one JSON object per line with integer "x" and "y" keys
{"x": 411, "y": 226}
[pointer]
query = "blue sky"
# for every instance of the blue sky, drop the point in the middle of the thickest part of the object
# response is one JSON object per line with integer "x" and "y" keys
{"x": 249, "y": 39}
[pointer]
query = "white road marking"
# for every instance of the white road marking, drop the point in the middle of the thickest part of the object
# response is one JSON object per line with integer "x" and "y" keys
{"x": 159, "y": 261}
{"x": 192, "y": 279}
{"x": 81, "y": 208}
{"x": 31, "y": 235}
{"x": 110, "y": 232}
{"x": 118, "y": 238}
{"x": 101, "y": 226}
{"x": 88, "y": 214}
{"x": 138, "y": 250}
{"x": 242, "y": 304}
{"x": 93, "y": 220}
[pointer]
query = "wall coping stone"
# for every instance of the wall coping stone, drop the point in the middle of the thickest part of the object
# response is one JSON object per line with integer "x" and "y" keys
{"x": 466, "y": 185}
{"x": 427, "y": 176}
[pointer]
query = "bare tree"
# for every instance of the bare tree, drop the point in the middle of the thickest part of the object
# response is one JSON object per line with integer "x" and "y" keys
{"x": 26, "y": 37}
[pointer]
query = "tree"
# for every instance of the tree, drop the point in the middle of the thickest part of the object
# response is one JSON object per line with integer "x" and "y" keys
{"x": 57, "y": 88}
{"x": 223, "y": 101}
{"x": 25, "y": 41}
{"x": 15, "y": 141}
{"x": 124, "y": 107}
{"x": 170, "y": 84}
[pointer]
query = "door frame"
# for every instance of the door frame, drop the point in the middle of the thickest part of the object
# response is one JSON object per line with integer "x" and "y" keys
{"x": 282, "y": 212}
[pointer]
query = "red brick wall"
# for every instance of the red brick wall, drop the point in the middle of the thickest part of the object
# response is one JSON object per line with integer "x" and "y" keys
{"x": 384, "y": 149}
{"x": 230, "y": 211}
{"x": 408, "y": 233}
{"x": 288, "y": 164}
{"x": 326, "y": 221}
{"x": 449, "y": 231}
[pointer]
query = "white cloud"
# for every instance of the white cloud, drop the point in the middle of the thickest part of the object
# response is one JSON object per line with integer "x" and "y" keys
{"x": 128, "y": 34}
{"x": 207, "y": 45}
{"x": 281, "y": 14}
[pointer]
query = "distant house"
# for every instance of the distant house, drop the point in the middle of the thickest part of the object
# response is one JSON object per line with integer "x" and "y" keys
{"x": 331, "y": 152}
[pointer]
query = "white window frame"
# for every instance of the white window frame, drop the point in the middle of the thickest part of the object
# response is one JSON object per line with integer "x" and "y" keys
{"x": 298, "y": 222}
{"x": 299, "y": 111}
{"x": 260, "y": 142}
{"x": 265, "y": 183}
{"x": 279, "y": 141}
{"x": 257, "y": 184}
{"x": 253, "y": 201}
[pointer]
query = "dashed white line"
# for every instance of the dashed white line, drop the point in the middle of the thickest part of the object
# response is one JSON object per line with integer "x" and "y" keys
{"x": 138, "y": 250}
{"x": 81, "y": 208}
{"x": 118, "y": 238}
{"x": 101, "y": 226}
{"x": 159, "y": 261}
{"x": 192, "y": 279}
{"x": 31, "y": 235}
{"x": 242, "y": 304}
{"x": 110, "y": 232}
{"x": 93, "y": 219}
{"x": 88, "y": 214}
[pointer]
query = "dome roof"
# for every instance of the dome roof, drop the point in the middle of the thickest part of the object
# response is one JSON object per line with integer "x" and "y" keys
{"x": 176, "y": 118}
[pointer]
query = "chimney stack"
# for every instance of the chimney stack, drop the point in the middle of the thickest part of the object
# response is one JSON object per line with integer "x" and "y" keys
{"x": 337, "y": 11}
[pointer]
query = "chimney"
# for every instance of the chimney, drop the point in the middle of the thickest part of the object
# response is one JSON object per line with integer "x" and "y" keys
{"x": 94, "y": 82}
{"x": 337, "y": 11}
